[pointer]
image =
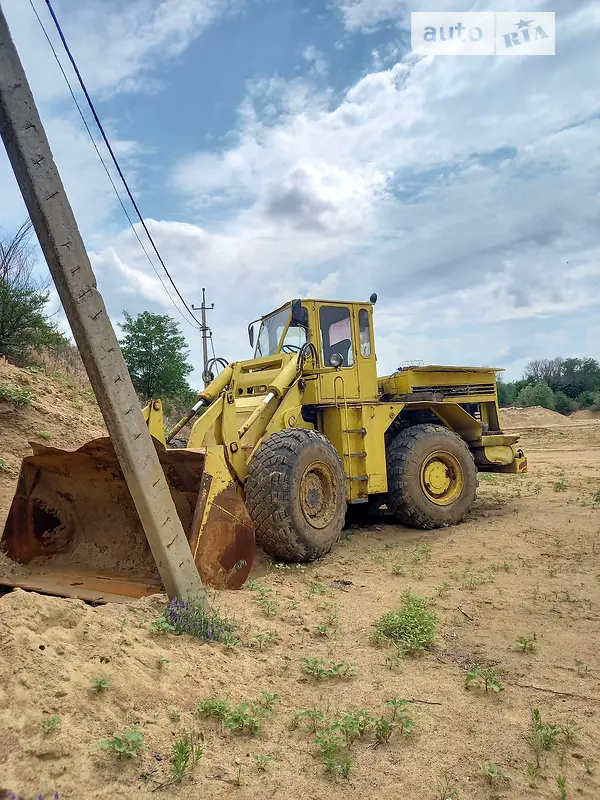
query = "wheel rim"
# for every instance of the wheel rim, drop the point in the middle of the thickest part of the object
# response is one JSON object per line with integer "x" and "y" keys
{"x": 442, "y": 478}
{"x": 318, "y": 495}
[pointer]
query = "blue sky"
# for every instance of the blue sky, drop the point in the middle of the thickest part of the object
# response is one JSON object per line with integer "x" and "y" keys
{"x": 284, "y": 148}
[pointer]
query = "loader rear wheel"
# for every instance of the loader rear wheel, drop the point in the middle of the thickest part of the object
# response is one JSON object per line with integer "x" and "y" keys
{"x": 432, "y": 478}
{"x": 296, "y": 495}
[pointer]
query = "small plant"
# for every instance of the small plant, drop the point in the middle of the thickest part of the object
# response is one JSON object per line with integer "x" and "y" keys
{"x": 263, "y": 639}
{"x": 160, "y": 627}
{"x": 400, "y": 715}
{"x": 596, "y": 498}
{"x": 130, "y": 744}
{"x": 4, "y": 465}
{"x": 269, "y": 700}
{"x": 196, "y": 619}
{"x": 542, "y": 736}
{"x": 314, "y": 716}
{"x": 321, "y": 668}
{"x": 421, "y": 554}
{"x": 329, "y": 742}
{"x": 45, "y": 435}
{"x": 394, "y": 658}
{"x": 447, "y": 790}
{"x": 264, "y": 600}
{"x": 262, "y": 761}
{"x": 526, "y": 644}
{"x": 50, "y": 724}
{"x": 19, "y": 396}
{"x": 214, "y": 708}
{"x": 317, "y": 588}
{"x": 354, "y": 726}
{"x": 561, "y": 782}
{"x": 560, "y": 486}
{"x": 174, "y": 714}
{"x": 494, "y": 773}
{"x": 162, "y": 661}
{"x": 398, "y": 569}
{"x": 245, "y": 718}
{"x": 443, "y": 588}
{"x": 411, "y": 627}
{"x": 185, "y": 754}
{"x": 345, "y": 766}
{"x": 484, "y": 678}
{"x": 99, "y": 684}
{"x": 537, "y": 488}
{"x": 383, "y": 730}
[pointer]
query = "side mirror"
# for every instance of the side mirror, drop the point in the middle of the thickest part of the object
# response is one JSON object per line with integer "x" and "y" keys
{"x": 251, "y": 334}
{"x": 298, "y": 317}
{"x": 335, "y": 360}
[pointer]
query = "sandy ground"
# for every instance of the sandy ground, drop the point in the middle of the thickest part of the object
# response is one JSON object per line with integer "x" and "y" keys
{"x": 526, "y": 562}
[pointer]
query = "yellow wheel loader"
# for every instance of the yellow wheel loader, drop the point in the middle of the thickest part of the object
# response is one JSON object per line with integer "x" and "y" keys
{"x": 280, "y": 446}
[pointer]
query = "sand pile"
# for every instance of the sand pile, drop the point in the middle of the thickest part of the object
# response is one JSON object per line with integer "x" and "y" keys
{"x": 515, "y": 417}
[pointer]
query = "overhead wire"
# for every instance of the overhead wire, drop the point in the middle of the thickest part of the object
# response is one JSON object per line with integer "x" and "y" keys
{"x": 114, "y": 159}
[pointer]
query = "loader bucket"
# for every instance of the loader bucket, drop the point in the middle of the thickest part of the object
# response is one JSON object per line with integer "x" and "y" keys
{"x": 74, "y": 527}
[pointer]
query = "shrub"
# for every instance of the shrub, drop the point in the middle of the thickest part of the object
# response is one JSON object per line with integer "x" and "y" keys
{"x": 537, "y": 394}
{"x": 563, "y": 403}
{"x": 411, "y": 627}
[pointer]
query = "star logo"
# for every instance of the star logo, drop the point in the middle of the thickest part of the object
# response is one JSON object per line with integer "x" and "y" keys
{"x": 523, "y": 23}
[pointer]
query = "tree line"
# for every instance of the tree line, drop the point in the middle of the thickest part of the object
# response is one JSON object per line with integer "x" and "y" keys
{"x": 560, "y": 384}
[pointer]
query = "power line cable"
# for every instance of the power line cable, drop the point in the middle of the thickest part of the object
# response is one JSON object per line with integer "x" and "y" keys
{"x": 99, "y": 154}
{"x": 114, "y": 158}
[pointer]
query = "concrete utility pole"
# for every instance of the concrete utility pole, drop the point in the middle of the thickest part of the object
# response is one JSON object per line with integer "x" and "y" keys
{"x": 205, "y": 336}
{"x": 44, "y": 195}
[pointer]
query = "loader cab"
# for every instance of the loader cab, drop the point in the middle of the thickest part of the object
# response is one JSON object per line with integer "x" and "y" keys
{"x": 342, "y": 335}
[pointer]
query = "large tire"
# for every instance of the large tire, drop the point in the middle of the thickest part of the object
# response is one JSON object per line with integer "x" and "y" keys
{"x": 432, "y": 478}
{"x": 296, "y": 495}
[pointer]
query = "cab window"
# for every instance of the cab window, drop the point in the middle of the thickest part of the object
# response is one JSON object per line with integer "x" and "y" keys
{"x": 364, "y": 332}
{"x": 336, "y": 334}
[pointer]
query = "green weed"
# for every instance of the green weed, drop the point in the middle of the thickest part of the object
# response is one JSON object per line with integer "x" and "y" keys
{"x": 561, "y": 782}
{"x": 51, "y": 724}
{"x": 262, "y": 761}
{"x": 526, "y": 644}
{"x": 263, "y": 639}
{"x": 130, "y": 744}
{"x": 442, "y": 589}
{"x": 421, "y": 554}
{"x": 174, "y": 714}
{"x": 99, "y": 684}
{"x": 494, "y": 773}
{"x": 45, "y": 435}
{"x": 487, "y": 679}
{"x": 19, "y": 396}
{"x": 185, "y": 754}
{"x": 542, "y": 736}
{"x": 321, "y": 668}
{"x": 354, "y": 726}
{"x": 162, "y": 661}
{"x": 4, "y": 465}
{"x": 411, "y": 627}
{"x": 314, "y": 716}
{"x": 245, "y": 718}
{"x": 398, "y": 569}
{"x": 317, "y": 588}
{"x": 400, "y": 714}
{"x": 560, "y": 486}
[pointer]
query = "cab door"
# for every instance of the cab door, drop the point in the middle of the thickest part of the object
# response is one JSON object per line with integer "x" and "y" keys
{"x": 337, "y": 341}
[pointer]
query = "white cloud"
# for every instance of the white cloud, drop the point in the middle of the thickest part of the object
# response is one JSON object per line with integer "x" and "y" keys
{"x": 316, "y": 59}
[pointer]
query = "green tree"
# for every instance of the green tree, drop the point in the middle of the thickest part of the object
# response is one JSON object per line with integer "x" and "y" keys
{"x": 156, "y": 354}
{"x": 506, "y": 393}
{"x": 24, "y": 327}
{"x": 572, "y": 376}
{"x": 538, "y": 394}
{"x": 563, "y": 403}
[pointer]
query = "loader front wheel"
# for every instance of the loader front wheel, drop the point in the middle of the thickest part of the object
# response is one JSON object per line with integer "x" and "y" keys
{"x": 432, "y": 478}
{"x": 296, "y": 495}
